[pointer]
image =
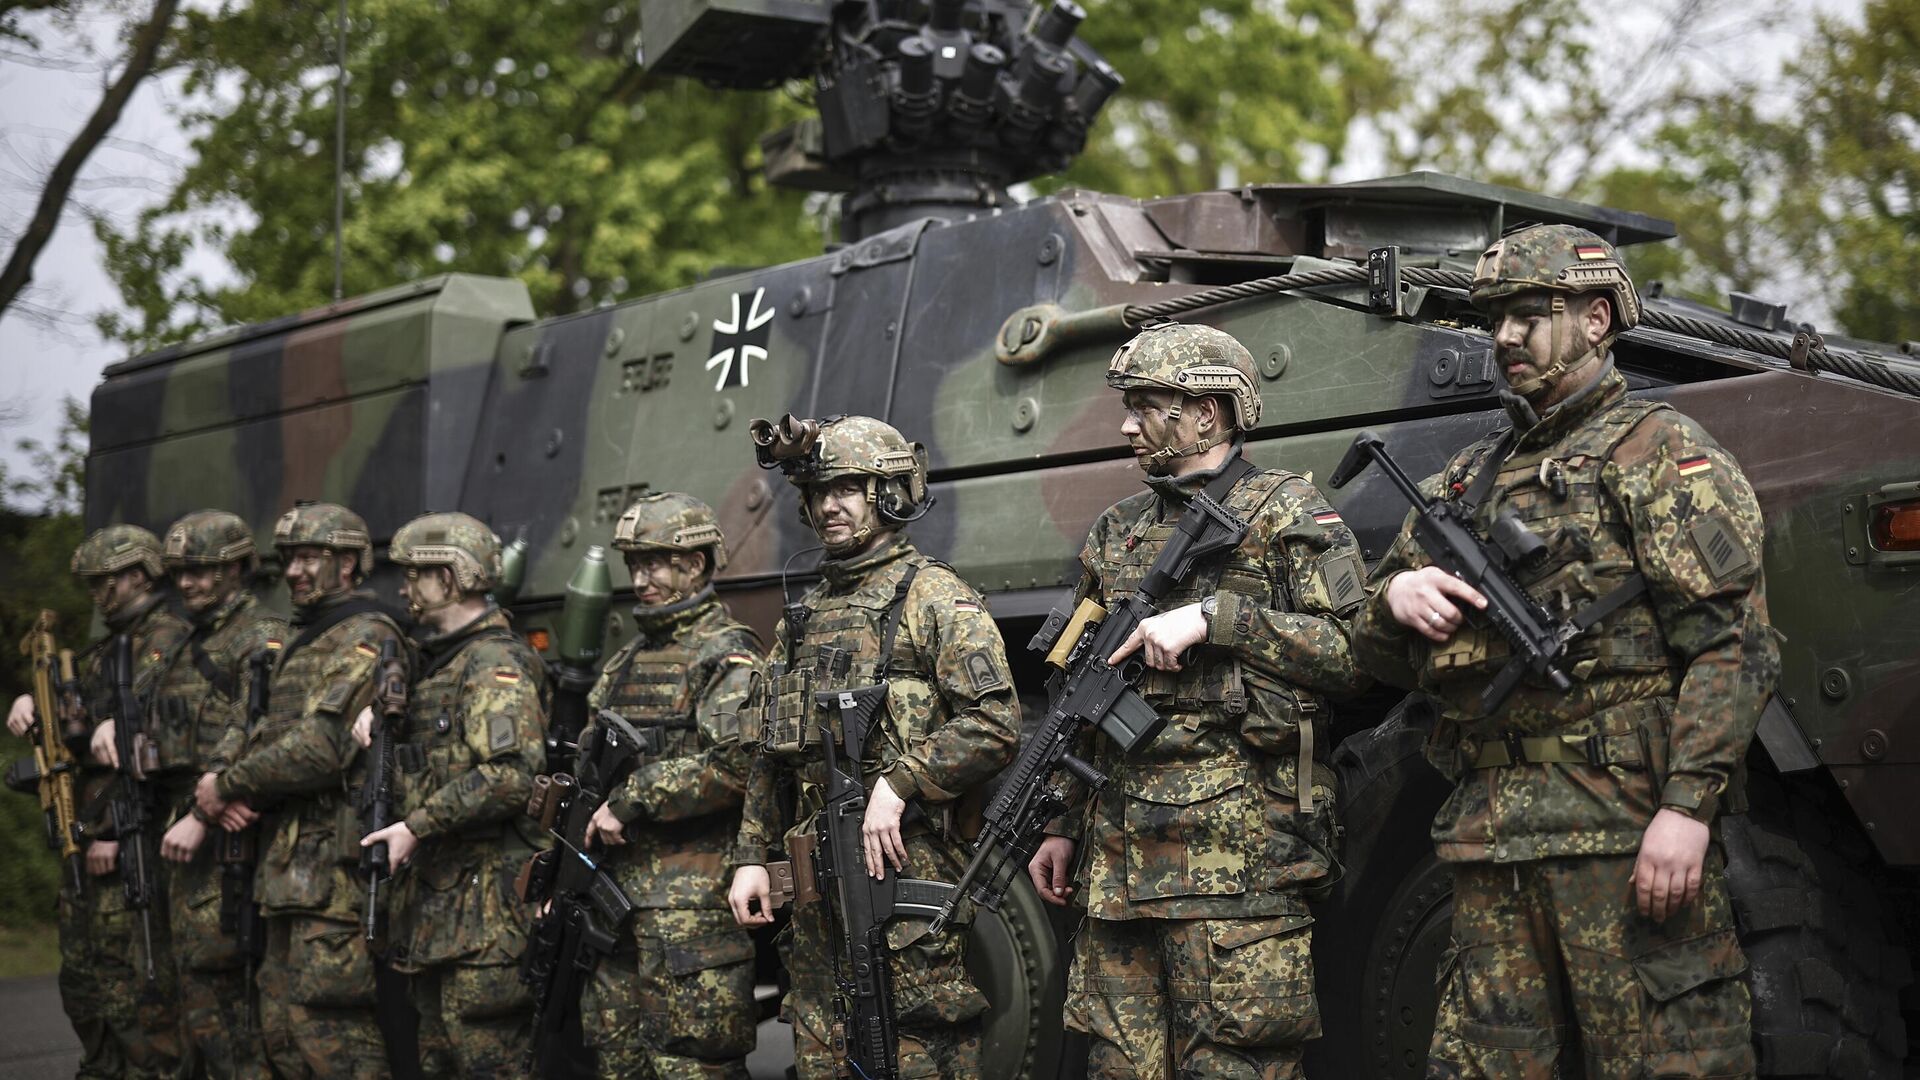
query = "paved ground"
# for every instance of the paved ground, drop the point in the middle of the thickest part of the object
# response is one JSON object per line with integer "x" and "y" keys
{"x": 37, "y": 1043}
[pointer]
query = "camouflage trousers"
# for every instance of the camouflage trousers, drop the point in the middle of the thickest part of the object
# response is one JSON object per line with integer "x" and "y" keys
{"x": 218, "y": 1025}
{"x": 676, "y": 1001}
{"x": 474, "y": 1021}
{"x": 126, "y": 1027}
{"x": 1551, "y": 952}
{"x": 317, "y": 1000}
{"x": 1166, "y": 998}
{"x": 937, "y": 1008}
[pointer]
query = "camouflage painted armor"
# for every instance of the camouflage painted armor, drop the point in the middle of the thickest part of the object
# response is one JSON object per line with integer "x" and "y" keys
{"x": 952, "y": 723}
{"x": 1199, "y": 845}
{"x": 1667, "y": 691}
{"x": 472, "y": 746}
{"x": 198, "y": 711}
{"x": 303, "y": 768}
{"x": 676, "y": 1000}
{"x": 125, "y": 1029}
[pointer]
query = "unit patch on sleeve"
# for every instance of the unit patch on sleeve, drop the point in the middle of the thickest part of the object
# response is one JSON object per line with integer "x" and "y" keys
{"x": 1346, "y": 583}
{"x": 499, "y": 730}
{"x": 1721, "y": 550}
{"x": 982, "y": 673}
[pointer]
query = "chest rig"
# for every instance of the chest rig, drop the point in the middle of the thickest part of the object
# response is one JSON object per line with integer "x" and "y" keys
{"x": 434, "y": 748}
{"x": 199, "y": 691}
{"x": 1568, "y": 543}
{"x": 651, "y": 688}
{"x": 298, "y": 673}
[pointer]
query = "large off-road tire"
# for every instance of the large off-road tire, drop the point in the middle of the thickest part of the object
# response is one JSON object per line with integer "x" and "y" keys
{"x": 1827, "y": 967}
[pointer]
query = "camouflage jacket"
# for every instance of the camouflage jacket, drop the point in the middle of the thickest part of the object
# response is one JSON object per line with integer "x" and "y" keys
{"x": 199, "y": 709}
{"x": 302, "y": 765}
{"x": 953, "y": 719}
{"x": 157, "y": 634}
{"x": 1667, "y": 689}
{"x": 1205, "y": 822}
{"x": 681, "y": 681}
{"x": 474, "y": 741}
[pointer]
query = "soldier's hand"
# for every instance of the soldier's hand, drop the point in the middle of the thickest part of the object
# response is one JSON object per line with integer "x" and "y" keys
{"x": 102, "y": 857}
{"x": 238, "y": 815}
{"x": 104, "y": 749}
{"x": 20, "y": 716}
{"x": 1051, "y": 870}
{"x": 1673, "y": 853}
{"x": 363, "y": 727}
{"x": 206, "y": 795}
{"x": 751, "y": 896}
{"x": 1429, "y": 600}
{"x": 1163, "y": 637}
{"x": 183, "y": 839}
{"x": 401, "y": 843}
{"x": 604, "y": 828}
{"x": 880, "y": 839}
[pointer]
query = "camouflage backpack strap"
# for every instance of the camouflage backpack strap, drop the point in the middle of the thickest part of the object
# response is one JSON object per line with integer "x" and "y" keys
{"x": 896, "y": 610}
{"x": 220, "y": 679}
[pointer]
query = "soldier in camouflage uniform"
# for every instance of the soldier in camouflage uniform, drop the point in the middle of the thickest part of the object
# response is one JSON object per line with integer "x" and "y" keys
{"x": 301, "y": 767}
{"x": 1590, "y": 900}
{"x": 951, "y": 723}
{"x": 676, "y": 999}
{"x": 126, "y": 1026}
{"x": 197, "y": 715}
{"x": 473, "y": 743}
{"x": 1196, "y": 861}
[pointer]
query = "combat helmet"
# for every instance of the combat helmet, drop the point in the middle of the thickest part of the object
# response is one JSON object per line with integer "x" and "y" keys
{"x": 209, "y": 538}
{"x": 821, "y": 451}
{"x": 1559, "y": 258}
{"x": 671, "y": 521}
{"x": 1189, "y": 359}
{"x": 326, "y": 525}
{"x": 460, "y": 541}
{"x": 116, "y": 547}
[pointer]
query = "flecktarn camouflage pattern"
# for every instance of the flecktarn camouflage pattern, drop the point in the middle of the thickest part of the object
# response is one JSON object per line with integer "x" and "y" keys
{"x": 208, "y": 538}
{"x": 671, "y": 521}
{"x": 115, "y": 548}
{"x": 459, "y": 541}
{"x": 325, "y": 525}
{"x": 1191, "y": 359}
{"x": 1558, "y": 258}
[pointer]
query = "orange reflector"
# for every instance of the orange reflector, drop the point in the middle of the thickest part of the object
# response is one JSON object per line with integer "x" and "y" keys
{"x": 539, "y": 639}
{"x": 1896, "y": 526}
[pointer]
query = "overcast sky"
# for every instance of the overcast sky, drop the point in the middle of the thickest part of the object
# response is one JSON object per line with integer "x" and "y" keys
{"x": 48, "y": 347}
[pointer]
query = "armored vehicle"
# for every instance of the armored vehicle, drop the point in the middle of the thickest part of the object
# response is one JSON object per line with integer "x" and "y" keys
{"x": 982, "y": 325}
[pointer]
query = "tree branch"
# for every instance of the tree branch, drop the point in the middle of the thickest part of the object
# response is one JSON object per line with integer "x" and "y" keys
{"x": 46, "y": 217}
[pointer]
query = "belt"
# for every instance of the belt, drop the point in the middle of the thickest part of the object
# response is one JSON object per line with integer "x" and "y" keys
{"x": 1508, "y": 748}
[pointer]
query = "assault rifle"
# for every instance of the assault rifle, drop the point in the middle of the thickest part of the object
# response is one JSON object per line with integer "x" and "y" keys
{"x": 59, "y": 719}
{"x": 1445, "y": 532}
{"x": 586, "y": 911}
{"x": 376, "y": 810}
{"x": 238, "y": 852}
{"x": 1086, "y": 691}
{"x": 863, "y": 974}
{"x": 132, "y": 803}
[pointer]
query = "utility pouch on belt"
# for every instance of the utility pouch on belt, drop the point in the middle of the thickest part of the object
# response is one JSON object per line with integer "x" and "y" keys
{"x": 789, "y": 725}
{"x": 805, "y": 883}
{"x": 780, "y": 889}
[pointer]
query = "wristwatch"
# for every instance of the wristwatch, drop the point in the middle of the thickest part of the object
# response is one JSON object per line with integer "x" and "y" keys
{"x": 1210, "y": 607}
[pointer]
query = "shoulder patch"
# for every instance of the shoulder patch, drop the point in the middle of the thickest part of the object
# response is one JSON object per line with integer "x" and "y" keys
{"x": 983, "y": 675}
{"x": 365, "y": 648}
{"x": 1326, "y": 517}
{"x": 738, "y": 658}
{"x": 965, "y": 605}
{"x": 506, "y": 676}
{"x": 1693, "y": 464}
{"x": 1346, "y": 581}
{"x": 499, "y": 732}
{"x": 1720, "y": 547}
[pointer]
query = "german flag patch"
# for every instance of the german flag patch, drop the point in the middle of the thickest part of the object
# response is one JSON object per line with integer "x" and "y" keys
{"x": 965, "y": 605}
{"x": 1694, "y": 464}
{"x": 1327, "y": 517}
{"x": 365, "y": 649}
{"x": 506, "y": 677}
{"x": 1590, "y": 251}
{"x": 736, "y": 658}
{"x": 275, "y": 644}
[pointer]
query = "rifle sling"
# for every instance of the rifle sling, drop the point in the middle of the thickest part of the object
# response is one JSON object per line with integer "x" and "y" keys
{"x": 1482, "y": 483}
{"x": 221, "y": 681}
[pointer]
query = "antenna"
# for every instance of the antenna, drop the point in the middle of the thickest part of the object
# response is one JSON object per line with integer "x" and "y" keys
{"x": 339, "y": 147}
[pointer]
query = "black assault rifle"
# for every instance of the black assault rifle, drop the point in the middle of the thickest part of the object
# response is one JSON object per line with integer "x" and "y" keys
{"x": 238, "y": 853}
{"x": 587, "y": 912}
{"x": 376, "y": 809}
{"x": 1085, "y": 691}
{"x": 132, "y": 803}
{"x": 1445, "y": 532}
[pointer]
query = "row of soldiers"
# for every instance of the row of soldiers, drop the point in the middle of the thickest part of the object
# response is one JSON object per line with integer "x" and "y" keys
{"x": 1591, "y": 917}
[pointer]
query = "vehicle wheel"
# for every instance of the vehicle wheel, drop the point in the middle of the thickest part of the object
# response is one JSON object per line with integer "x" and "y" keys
{"x": 1827, "y": 970}
{"x": 1015, "y": 962}
{"x": 1379, "y": 939}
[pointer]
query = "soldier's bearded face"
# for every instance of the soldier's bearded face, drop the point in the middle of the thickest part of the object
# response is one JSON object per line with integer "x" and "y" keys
{"x": 841, "y": 514}
{"x": 1535, "y": 347}
{"x": 204, "y": 587}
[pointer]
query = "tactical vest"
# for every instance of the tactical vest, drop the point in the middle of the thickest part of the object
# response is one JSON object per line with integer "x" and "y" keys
{"x": 156, "y": 634}
{"x": 1559, "y": 492}
{"x": 202, "y": 690}
{"x": 433, "y": 750}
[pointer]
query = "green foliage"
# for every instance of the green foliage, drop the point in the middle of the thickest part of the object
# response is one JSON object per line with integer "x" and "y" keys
{"x": 37, "y": 545}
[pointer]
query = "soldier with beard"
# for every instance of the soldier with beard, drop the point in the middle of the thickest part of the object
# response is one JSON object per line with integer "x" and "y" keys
{"x": 676, "y": 999}
{"x": 302, "y": 768}
{"x": 466, "y": 761}
{"x": 127, "y": 1026}
{"x": 1590, "y": 897}
{"x": 950, "y": 723}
